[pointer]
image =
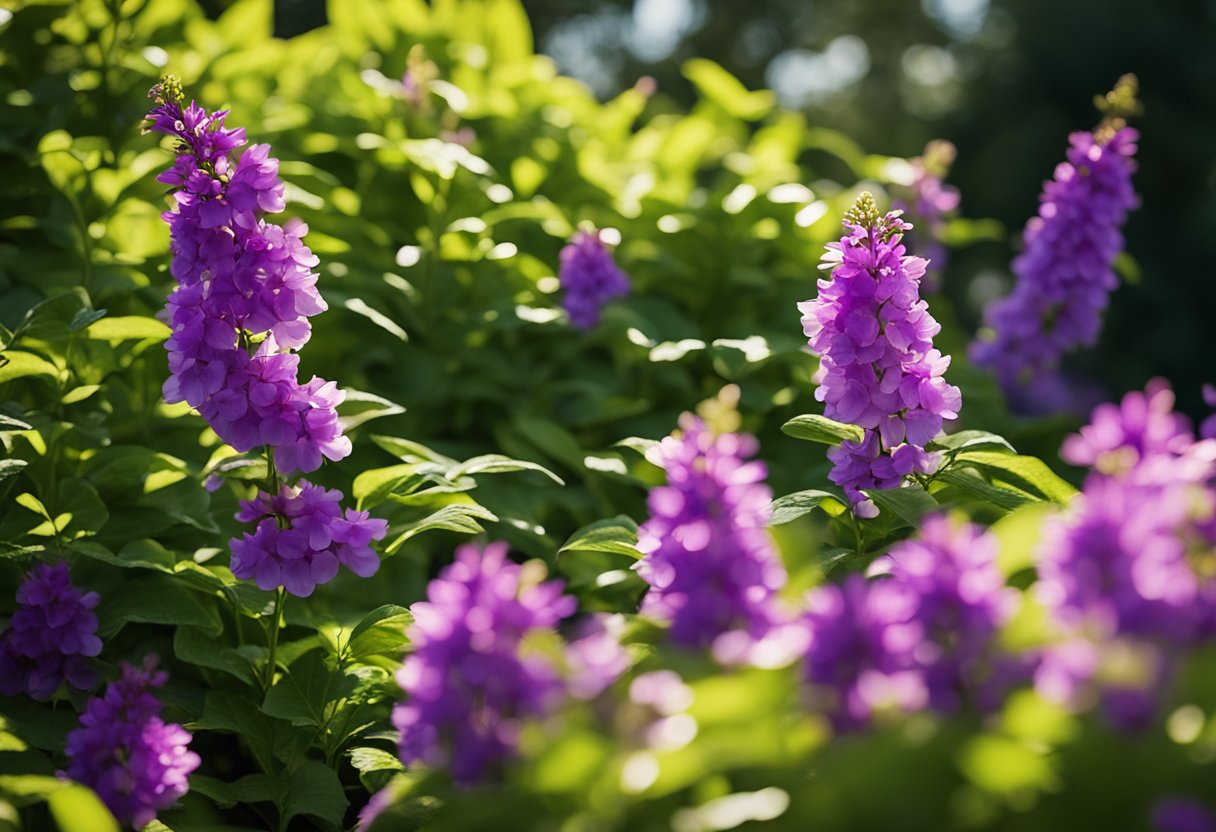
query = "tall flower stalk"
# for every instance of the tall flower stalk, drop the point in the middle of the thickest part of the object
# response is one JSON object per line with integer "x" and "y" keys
{"x": 877, "y": 365}
{"x": 1065, "y": 272}
{"x": 239, "y": 314}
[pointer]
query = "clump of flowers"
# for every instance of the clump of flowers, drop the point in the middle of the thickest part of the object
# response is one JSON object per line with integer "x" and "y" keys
{"x": 928, "y": 202}
{"x": 1065, "y": 272}
{"x": 470, "y": 680}
{"x": 51, "y": 636}
{"x": 595, "y": 657}
{"x": 1130, "y": 563}
{"x": 877, "y": 365}
{"x": 707, "y": 554}
{"x": 246, "y": 289}
{"x": 302, "y": 536}
{"x": 859, "y": 658}
{"x": 961, "y": 603}
{"x": 124, "y": 751}
{"x": 590, "y": 278}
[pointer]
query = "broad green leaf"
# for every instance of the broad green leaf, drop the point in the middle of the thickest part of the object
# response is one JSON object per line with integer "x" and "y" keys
{"x": 1026, "y": 472}
{"x": 375, "y": 766}
{"x": 909, "y": 503}
{"x": 17, "y": 364}
{"x": 816, "y": 428}
{"x": 359, "y": 407}
{"x": 617, "y": 535}
{"x": 1019, "y": 533}
{"x": 84, "y": 318}
{"x": 301, "y": 695}
{"x": 205, "y": 650}
{"x": 253, "y": 788}
{"x": 9, "y": 424}
{"x": 79, "y": 809}
{"x": 314, "y": 789}
{"x": 977, "y": 488}
{"x": 381, "y": 633}
{"x": 11, "y": 467}
{"x": 973, "y": 440}
{"x": 792, "y": 506}
{"x": 128, "y": 328}
{"x": 156, "y": 599}
{"x": 1004, "y": 766}
{"x": 373, "y": 487}
{"x": 457, "y": 517}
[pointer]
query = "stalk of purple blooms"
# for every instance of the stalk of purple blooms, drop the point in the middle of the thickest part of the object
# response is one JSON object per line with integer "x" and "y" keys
{"x": 920, "y": 637}
{"x": 51, "y": 636}
{"x": 1065, "y": 272}
{"x": 707, "y": 554}
{"x": 1129, "y": 566}
{"x": 241, "y": 279}
{"x": 877, "y": 365}
{"x": 246, "y": 289}
{"x": 928, "y": 203}
{"x": 469, "y": 680}
{"x": 135, "y": 762}
{"x": 590, "y": 278}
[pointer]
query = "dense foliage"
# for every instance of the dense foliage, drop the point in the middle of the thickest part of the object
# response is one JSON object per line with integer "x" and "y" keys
{"x": 403, "y": 256}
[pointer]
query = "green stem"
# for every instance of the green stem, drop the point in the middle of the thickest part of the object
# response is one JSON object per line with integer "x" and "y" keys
{"x": 859, "y": 546}
{"x": 276, "y": 625}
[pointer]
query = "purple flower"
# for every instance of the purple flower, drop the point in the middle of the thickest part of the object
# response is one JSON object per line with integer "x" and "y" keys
{"x": 961, "y": 603}
{"x": 877, "y": 365}
{"x": 469, "y": 680}
{"x": 707, "y": 554}
{"x": 240, "y": 279}
{"x": 1065, "y": 273}
{"x": 929, "y": 201}
{"x": 1180, "y": 814}
{"x": 1207, "y": 428}
{"x": 51, "y": 636}
{"x": 590, "y": 278}
{"x": 1121, "y": 437}
{"x": 859, "y": 659}
{"x": 595, "y": 658}
{"x": 301, "y": 538}
{"x": 122, "y": 750}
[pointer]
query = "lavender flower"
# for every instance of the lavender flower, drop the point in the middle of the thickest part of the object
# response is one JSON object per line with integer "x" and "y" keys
{"x": 1122, "y": 437}
{"x": 301, "y": 538}
{"x": 122, "y": 750}
{"x": 590, "y": 278}
{"x": 961, "y": 602}
{"x": 860, "y": 655}
{"x": 469, "y": 681}
{"x": 707, "y": 555}
{"x": 51, "y": 636}
{"x": 240, "y": 279}
{"x": 929, "y": 201}
{"x": 1207, "y": 428}
{"x": 877, "y": 365}
{"x": 595, "y": 658}
{"x": 1065, "y": 273}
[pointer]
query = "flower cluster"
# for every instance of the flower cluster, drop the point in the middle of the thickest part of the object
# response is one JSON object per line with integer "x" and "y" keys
{"x": 1065, "y": 272}
{"x": 590, "y": 278}
{"x": 1130, "y": 563}
{"x": 707, "y": 555}
{"x": 877, "y": 365}
{"x": 469, "y": 679}
{"x": 302, "y": 536}
{"x": 51, "y": 636}
{"x": 246, "y": 289}
{"x": 919, "y": 637}
{"x": 126, "y": 753}
{"x": 929, "y": 202}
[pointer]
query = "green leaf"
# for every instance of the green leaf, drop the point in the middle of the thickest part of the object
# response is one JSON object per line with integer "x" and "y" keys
{"x": 375, "y": 766}
{"x": 9, "y": 424}
{"x": 1004, "y": 766}
{"x": 17, "y": 364}
{"x": 314, "y": 789}
{"x": 792, "y": 506}
{"x": 1025, "y": 472}
{"x": 1019, "y": 533}
{"x": 11, "y": 467}
{"x": 381, "y": 633}
{"x": 816, "y": 428}
{"x": 725, "y": 90}
{"x": 973, "y": 440}
{"x": 301, "y": 695}
{"x": 156, "y": 599}
{"x": 192, "y": 645}
{"x": 973, "y": 486}
{"x": 84, "y": 318}
{"x": 78, "y": 809}
{"x": 359, "y": 407}
{"x": 499, "y": 464}
{"x": 253, "y": 788}
{"x": 617, "y": 535}
{"x": 909, "y": 503}
{"x": 128, "y": 328}
{"x": 457, "y": 517}
{"x": 372, "y": 487}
